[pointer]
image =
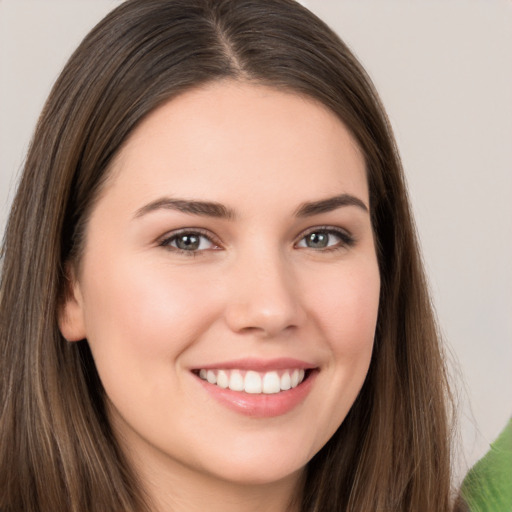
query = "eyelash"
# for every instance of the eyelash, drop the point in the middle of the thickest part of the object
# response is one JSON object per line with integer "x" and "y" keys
{"x": 166, "y": 242}
{"x": 346, "y": 239}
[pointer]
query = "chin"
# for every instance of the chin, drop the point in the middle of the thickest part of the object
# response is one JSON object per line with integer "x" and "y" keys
{"x": 261, "y": 475}
{"x": 261, "y": 466}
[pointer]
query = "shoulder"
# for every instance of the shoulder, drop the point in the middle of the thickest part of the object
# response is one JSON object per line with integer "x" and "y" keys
{"x": 488, "y": 485}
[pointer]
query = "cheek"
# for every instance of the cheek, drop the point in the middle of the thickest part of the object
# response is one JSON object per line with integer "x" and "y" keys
{"x": 139, "y": 307}
{"x": 346, "y": 304}
{"x": 343, "y": 306}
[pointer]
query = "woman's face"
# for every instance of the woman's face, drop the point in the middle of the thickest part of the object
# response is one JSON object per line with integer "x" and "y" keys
{"x": 229, "y": 284}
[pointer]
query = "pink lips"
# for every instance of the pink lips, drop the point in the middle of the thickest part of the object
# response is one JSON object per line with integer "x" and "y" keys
{"x": 261, "y": 365}
{"x": 261, "y": 405}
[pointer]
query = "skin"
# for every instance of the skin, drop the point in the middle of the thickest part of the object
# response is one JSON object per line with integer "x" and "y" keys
{"x": 151, "y": 313}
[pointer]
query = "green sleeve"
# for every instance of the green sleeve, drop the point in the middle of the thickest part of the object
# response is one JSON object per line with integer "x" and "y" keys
{"x": 488, "y": 485}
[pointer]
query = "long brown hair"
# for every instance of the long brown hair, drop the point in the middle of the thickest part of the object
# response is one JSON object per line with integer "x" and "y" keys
{"x": 57, "y": 451}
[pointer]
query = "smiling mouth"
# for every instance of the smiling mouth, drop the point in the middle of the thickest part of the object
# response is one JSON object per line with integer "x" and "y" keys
{"x": 253, "y": 382}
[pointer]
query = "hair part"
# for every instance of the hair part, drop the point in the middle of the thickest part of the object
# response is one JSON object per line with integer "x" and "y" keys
{"x": 57, "y": 451}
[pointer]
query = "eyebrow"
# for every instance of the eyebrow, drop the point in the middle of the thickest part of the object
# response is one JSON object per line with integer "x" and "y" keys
{"x": 203, "y": 208}
{"x": 218, "y": 210}
{"x": 328, "y": 205}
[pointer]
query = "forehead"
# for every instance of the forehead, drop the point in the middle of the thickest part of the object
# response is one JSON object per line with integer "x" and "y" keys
{"x": 235, "y": 140}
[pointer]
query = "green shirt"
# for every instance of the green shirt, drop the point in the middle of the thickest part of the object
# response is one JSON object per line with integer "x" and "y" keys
{"x": 488, "y": 485}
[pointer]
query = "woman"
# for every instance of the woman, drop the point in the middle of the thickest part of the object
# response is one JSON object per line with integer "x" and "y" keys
{"x": 212, "y": 294}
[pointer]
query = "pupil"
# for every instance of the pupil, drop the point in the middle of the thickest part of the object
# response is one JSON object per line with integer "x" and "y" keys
{"x": 188, "y": 242}
{"x": 317, "y": 240}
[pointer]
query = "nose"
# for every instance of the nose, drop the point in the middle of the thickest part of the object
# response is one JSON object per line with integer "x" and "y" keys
{"x": 263, "y": 298}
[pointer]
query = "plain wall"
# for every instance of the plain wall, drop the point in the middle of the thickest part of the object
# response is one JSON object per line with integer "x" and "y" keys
{"x": 444, "y": 71}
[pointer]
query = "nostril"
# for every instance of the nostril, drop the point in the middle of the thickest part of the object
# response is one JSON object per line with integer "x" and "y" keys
{"x": 261, "y": 321}
{"x": 263, "y": 302}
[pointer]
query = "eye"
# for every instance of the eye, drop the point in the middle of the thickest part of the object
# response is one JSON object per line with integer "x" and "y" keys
{"x": 189, "y": 242}
{"x": 326, "y": 239}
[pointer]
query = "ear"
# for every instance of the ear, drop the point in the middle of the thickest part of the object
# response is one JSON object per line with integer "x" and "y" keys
{"x": 70, "y": 310}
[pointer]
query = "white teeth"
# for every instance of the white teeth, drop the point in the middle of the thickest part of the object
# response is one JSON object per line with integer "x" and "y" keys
{"x": 297, "y": 377}
{"x": 271, "y": 383}
{"x": 286, "y": 382}
{"x": 236, "y": 381}
{"x": 254, "y": 382}
{"x": 222, "y": 379}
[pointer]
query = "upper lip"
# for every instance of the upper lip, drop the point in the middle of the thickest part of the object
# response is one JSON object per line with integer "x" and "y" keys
{"x": 261, "y": 365}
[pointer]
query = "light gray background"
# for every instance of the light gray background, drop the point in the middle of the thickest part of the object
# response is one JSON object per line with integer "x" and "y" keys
{"x": 444, "y": 71}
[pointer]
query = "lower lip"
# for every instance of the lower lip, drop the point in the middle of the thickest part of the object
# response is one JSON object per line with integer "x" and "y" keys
{"x": 261, "y": 405}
